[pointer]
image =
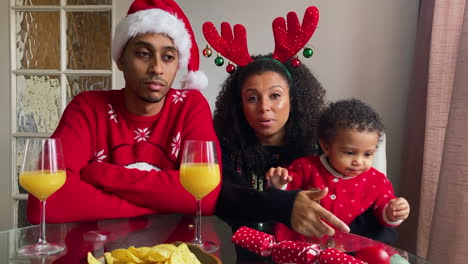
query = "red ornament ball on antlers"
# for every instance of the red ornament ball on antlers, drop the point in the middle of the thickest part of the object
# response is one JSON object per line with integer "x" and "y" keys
{"x": 230, "y": 68}
{"x": 295, "y": 63}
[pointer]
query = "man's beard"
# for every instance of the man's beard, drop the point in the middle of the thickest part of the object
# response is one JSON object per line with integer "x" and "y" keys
{"x": 151, "y": 99}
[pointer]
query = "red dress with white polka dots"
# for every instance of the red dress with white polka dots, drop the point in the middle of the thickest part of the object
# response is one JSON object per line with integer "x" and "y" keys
{"x": 347, "y": 197}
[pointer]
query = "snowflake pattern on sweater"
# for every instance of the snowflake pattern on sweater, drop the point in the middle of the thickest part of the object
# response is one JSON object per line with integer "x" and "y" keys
{"x": 99, "y": 155}
{"x": 179, "y": 96}
{"x": 112, "y": 114}
{"x": 142, "y": 134}
{"x": 175, "y": 145}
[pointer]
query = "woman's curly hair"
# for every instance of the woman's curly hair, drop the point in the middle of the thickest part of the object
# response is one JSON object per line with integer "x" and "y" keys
{"x": 348, "y": 114}
{"x": 236, "y": 136}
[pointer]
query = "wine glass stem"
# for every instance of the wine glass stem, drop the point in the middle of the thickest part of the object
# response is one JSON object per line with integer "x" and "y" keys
{"x": 198, "y": 239}
{"x": 42, "y": 235}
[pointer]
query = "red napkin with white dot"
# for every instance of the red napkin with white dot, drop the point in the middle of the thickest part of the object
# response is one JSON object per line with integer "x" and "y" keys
{"x": 333, "y": 256}
{"x": 295, "y": 252}
{"x": 258, "y": 242}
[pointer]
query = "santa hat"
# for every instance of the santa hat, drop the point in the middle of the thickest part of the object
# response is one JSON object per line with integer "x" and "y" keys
{"x": 166, "y": 17}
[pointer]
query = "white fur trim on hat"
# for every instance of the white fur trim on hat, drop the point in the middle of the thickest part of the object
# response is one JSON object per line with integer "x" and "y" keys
{"x": 153, "y": 21}
{"x": 195, "y": 80}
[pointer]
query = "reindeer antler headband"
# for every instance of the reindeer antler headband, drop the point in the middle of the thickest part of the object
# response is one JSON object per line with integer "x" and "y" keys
{"x": 289, "y": 39}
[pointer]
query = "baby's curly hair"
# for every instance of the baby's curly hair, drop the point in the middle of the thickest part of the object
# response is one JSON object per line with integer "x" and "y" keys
{"x": 236, "y": 136}
{"x": 348, "y": 114}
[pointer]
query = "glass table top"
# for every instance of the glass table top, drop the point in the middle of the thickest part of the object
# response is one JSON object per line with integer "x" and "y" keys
{"x": 103, "y": 236}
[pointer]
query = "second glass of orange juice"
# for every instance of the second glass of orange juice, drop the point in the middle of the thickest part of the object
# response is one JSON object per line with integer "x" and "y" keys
{"x": 199, "y": 175}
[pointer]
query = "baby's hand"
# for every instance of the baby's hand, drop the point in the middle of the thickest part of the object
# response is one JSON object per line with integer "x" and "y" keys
{"x": 397, "y": 209}
{"x": 278, "y": 177}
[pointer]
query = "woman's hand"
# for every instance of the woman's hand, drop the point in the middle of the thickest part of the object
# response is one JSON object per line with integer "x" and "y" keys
{"x": 307, "y": 215}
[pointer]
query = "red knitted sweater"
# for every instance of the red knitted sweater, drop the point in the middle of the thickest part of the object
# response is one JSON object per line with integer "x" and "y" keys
{"x": 123, "y": 165}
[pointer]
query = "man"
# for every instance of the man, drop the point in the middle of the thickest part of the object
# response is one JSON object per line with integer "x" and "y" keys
{"x": 123, "y": 147}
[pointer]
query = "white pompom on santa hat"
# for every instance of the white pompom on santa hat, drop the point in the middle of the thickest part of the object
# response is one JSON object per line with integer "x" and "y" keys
{"x": 165, "y": 17}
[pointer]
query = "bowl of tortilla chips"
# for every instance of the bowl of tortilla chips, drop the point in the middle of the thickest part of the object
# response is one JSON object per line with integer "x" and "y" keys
{"x": 175, "y": 253}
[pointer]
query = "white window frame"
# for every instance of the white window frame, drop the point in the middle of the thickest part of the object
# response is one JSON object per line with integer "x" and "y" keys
{"x": 63, "y": 73}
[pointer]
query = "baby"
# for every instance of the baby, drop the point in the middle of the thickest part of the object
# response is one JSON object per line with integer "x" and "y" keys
{"x": 348, "y": 132}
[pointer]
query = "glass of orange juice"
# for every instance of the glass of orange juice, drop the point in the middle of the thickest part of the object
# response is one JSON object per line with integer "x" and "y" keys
{"x": 42, "y": 174}
{"x": 199, "y": 175}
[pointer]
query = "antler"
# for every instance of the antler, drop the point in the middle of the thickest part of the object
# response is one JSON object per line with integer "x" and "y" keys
{"x": 289, "y": 41}
{"x": 232, "y": 47}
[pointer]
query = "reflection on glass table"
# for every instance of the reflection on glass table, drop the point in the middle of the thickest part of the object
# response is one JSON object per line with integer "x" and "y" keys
{"x": 102, "y": 236}
{"x": 346, "y": 242}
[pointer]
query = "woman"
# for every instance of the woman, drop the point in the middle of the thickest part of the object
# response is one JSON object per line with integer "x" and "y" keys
{"x": 265, "y": 117}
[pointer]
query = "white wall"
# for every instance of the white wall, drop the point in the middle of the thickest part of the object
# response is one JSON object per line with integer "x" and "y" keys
{"x": 362, "y": 49}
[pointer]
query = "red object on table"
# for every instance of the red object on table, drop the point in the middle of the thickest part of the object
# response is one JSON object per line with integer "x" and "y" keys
{"x": 295, "y": 252}
{"x": 333, "y": 256}
{"x": 374, "y": 255}
{"x": 258, "y": 242}
{"x": 298, "y": 252}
